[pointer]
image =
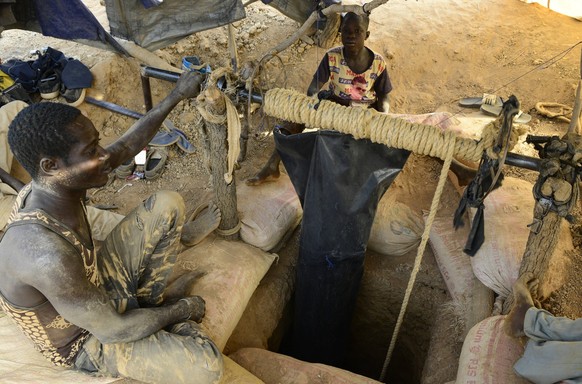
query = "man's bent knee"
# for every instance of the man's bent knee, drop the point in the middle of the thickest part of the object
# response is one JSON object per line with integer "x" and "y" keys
{"x": 164, "y": 202}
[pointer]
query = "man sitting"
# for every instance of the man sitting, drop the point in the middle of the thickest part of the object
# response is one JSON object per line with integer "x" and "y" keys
{"x": 110, "y": 312}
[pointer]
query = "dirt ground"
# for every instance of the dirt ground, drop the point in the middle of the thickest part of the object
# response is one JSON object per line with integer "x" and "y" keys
{"x": 438, "y": 51}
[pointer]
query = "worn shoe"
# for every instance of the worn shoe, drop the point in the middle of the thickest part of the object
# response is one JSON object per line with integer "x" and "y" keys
{"x": 126, "y": 169}
{"x": 73, "y": 97}
{"x": 49, "y": 87}
{"x": 155, "y": 162}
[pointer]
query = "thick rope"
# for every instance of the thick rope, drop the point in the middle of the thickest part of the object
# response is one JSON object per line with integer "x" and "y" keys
{"x": 229, "y": 232}
{"x": 449, "y": 149}
{"x": 393, "y": 132}
{"x": 379, "y": 128}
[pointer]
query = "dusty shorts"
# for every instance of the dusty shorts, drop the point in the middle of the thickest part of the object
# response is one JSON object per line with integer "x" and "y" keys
{"x": 135, "y": 262}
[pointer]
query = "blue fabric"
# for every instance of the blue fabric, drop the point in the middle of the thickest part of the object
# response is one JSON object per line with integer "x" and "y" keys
{"x": 172, "y": 136}
{"x": 151, "y": 3}
{"x": 71, "y": 20}
{"x": 68, "y": 19}
{"x": 76, "y": 75}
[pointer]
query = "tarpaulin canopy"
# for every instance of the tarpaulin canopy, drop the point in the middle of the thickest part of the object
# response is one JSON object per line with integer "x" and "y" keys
{"x": 159, "y": 26}
{"x": 151, "y": 24}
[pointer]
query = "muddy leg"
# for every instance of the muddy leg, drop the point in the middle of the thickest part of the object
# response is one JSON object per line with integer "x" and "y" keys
{"x": 522, "y": 302}
{"x": 201, "y": 225}
{"x": 269, "y": 171}
{"x": 180, "y": 287}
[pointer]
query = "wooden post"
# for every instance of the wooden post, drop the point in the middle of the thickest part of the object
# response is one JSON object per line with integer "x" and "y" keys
{"x": 225, "y": 193}
{"x": 542, "y": 241}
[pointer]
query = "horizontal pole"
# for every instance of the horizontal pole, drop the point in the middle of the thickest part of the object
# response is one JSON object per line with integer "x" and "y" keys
{"x": 161, "y": 74}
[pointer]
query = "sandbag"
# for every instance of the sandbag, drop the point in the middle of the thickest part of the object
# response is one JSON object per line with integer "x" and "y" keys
{"x": 274, "y": 368}
{"x": 7, "y": 199}
{"x": 470, "y": 295}
{"x": 455, "y": 266}
{"x": 268, "y": 212}
{"x": 488, "y": 355}
{"x": 21, "y": 363}
{"x": 235, "y": 374}
{"x": 231, "y": 271}
{"x": 497, "y": 262}
{"x": 396, "y": 229}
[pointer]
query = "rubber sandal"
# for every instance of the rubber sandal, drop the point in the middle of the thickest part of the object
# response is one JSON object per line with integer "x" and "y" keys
{"x": 126, "y": 169}
{"x": 164, "y": 139}
{"x": 494, "y": 110}
{"x": 155, "y": 162}
{"x": 183, "y": 142}
{"x": 476, "y": 102}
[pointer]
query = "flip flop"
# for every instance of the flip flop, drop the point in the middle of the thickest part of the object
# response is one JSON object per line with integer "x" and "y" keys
{"x": 171, "y": 135}
{"x": 494, "y": 110}
{"x": 476, "y": 102}
{"x": 183, "y": 142}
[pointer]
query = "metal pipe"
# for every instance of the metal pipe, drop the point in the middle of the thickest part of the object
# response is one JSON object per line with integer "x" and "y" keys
{"x": 255, "y": 97}
{"x": 147, "y": 92}
{"x": 521, "y": 161}
{"x": 113, "y": 107}
{"x": 161, "y": 74}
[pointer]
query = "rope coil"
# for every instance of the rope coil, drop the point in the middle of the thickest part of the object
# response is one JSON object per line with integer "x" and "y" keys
{"x": 393, "y": 132}
{"x": 378, "y": 127}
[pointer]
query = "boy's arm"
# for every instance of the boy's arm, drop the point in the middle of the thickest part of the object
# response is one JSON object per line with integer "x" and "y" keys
{"x": 141, "y": 133}
{"x": 382, "y": 87}
{"x": 320, "y": 77}
{"x": 382, "y": 103}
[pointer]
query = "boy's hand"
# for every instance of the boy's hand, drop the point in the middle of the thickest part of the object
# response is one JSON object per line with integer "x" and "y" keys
{"x": 188, "y": 84}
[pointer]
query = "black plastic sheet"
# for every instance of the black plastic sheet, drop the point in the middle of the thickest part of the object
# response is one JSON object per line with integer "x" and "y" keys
{"x": 340, "y": 181}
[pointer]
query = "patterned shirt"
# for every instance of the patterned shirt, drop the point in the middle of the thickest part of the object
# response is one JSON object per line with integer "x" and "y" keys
{"x": 361, "y": 88}
{"x": 56, "y": 338}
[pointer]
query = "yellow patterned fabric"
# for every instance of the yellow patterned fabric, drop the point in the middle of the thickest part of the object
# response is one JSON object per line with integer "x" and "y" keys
{"x": 348, "y": 85}
{"x": 56, "y": 338}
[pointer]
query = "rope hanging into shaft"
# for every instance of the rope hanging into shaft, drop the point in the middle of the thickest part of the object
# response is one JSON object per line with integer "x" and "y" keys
{"x": 449, "y": 150}
{"x": 393, "y": 132}
{"x": 380, "y": 128}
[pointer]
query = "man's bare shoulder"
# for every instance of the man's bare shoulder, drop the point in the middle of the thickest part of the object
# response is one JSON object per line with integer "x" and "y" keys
{"x": 32, "y": 255}
{"x": 32, "y": 243}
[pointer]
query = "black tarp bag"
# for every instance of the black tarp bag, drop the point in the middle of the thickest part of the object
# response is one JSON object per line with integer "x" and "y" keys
{"x": 340, "y": 181}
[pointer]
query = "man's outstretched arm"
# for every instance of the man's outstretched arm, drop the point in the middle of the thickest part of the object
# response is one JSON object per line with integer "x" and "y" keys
{"x": 142, "y": 132}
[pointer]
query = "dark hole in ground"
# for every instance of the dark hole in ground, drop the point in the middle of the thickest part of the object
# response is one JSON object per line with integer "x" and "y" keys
{"x": 379, "y": 301}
